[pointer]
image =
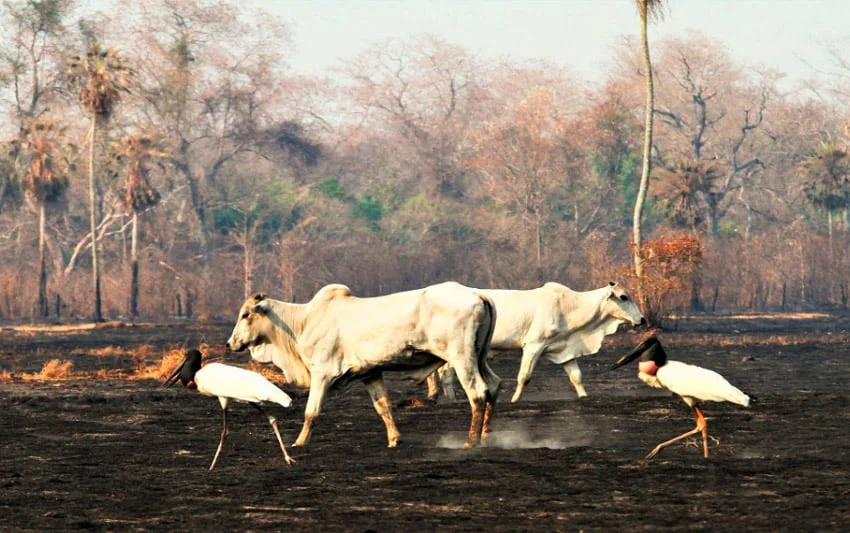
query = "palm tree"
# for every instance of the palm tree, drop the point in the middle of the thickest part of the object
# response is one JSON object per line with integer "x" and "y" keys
{"x": 648, "y": 10}
{"x": 827, "y": 180}
{"x": 44, "y": 184}
{"x": 137, "y": 151}
{"x": 100, "y": 77}
{"x": 689, "y": 192}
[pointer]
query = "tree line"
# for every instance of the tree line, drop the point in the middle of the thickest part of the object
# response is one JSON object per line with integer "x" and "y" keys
{"x": 163, "y": 160}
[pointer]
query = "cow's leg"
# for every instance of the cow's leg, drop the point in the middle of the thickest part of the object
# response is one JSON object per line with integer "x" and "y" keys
{"x": 381, "y": 401}
{"x": 530, "y": 355}
{"x": 474, "y": 386}
{"x": 319, "y": 386}
{"x": 433, "y": 386}
{"x": 494, "y": 385}
{"x": 448, "y": 378}
{"x": 443, "y": 378}
{"x": 572, "y": 369}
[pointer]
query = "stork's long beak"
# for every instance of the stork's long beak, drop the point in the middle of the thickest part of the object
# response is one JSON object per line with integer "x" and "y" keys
{"x": 172, "y": 379}
{"x": 626, "y": 359}
{"x": 634, "y": 354}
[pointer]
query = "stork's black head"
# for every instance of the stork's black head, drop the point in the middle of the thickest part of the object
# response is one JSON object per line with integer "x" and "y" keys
{"x": 186, "y": 370}
{"x": 648, "y": 350}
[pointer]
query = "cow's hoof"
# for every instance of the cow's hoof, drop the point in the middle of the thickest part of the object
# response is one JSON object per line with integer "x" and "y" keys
{"x": 470, "y": 444}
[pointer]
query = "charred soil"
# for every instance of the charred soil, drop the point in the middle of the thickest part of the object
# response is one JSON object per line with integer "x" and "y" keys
{"x": 118, "y": 454}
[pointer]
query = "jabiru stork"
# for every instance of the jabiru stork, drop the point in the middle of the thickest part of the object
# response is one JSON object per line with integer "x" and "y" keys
{"x": 692, "y": 383}
{"x": 230, "y": 383}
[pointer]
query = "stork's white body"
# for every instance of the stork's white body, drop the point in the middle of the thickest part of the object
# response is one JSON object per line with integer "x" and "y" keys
{"x": 234, "y": 383}
{"x": 230, "y": 383}
{"x": 694, "y": 384}
{"x": 691, "y": 383}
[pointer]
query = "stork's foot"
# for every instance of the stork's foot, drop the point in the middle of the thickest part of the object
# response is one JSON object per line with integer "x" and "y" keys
{"x": 692, "y": 443}
{"x": 654, "y": 452}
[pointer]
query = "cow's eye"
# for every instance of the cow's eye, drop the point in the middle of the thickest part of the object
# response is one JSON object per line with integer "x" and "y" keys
{"x": 624, "y": 297}
{"x": 244, "y": 315}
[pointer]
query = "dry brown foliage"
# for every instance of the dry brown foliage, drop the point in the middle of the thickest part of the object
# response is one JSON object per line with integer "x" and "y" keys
{"x": 106, "y": 351}
{"x": 669, "y": 264}
{"x": 53, "y": 370}
{"x": 270, "y": 372}
{"x": 159, "y": 370}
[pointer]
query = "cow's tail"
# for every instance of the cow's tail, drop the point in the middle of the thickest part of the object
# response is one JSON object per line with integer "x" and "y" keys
{"x": 482, "y": 347}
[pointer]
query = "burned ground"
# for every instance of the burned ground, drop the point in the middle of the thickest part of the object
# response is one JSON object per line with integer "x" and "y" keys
{"x": 117, "y": 454}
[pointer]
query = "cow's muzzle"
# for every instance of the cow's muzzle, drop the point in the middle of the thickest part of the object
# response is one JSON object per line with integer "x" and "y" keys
{"x": 231, "y": 346}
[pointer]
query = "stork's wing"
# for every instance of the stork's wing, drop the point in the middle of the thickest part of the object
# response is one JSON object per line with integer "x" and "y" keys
{"x": 699, "y": 383}
{"x": 233, "y": 382}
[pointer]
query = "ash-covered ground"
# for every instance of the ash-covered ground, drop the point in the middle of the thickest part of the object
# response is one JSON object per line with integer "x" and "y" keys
{"x": 118, "y": 455}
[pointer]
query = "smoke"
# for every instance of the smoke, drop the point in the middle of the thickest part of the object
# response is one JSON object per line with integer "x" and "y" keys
{"x": 518, "y": 435}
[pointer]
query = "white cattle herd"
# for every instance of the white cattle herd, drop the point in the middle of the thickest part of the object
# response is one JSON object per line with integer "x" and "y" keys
{"x": 337, "y": 339}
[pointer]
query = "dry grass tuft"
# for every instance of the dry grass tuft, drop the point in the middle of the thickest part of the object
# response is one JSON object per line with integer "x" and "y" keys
{"x": 7, "y": 377}
{"x": 106, "y": 351}
{"x": 109, "y": 373}
{"x": 159, "y": 370}
{"x": 53, "y": 370}
{"x": 270, "y": 372}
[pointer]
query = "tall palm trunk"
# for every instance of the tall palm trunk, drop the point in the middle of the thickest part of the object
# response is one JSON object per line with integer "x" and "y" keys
{"x": 247, "y": 259}
{"x": 42, "y": 266}
{"x": 647, "y": 144}
{"x": 98, "y": 315}
{"x": 134, "y": 268}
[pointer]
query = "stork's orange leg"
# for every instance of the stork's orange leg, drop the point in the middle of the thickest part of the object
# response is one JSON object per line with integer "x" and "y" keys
{"x": 701, "y": 427}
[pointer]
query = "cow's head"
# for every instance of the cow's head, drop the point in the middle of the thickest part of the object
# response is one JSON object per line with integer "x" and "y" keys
{"x": 251, "y": 323}
{"x": 620, "y": 305}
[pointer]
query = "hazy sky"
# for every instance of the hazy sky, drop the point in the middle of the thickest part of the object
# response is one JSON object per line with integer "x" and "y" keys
{"x": 580, "y": 34}
{"x": 790, "y": 35}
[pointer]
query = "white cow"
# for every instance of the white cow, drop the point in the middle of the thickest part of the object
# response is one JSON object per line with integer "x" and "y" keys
{"x": 336, "y": 339}
{"x": 556, "y": 322}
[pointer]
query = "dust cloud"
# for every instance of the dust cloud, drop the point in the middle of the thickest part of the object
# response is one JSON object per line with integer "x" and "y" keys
{"x": 554, "y": 435}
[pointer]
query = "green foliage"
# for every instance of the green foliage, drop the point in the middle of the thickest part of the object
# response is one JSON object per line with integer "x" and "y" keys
{"x": 827, "y": 177}
{"x": 331, "y": 188}
{"x": 369, "y": 209}
{"x": 727, "y": 228}
{"x": 616, "y": 161}
{"x": 227, "y": 219}
{"x": 268, "y": 215}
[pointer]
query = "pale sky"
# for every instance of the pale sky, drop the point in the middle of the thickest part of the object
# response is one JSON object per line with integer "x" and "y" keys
{"x": 789, "y": 35}
{"x": 577, "y": 34}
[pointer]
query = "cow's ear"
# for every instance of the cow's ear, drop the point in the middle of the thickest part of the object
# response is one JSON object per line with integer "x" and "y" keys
{"x": 612, "y": 283}
{"x": 262, "y": 307}
{"x": 259, "y": 297}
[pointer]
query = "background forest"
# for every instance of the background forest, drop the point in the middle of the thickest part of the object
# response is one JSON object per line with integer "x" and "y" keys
{"x": 174, "y": 132}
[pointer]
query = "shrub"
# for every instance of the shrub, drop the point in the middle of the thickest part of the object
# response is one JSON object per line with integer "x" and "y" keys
{"x": 670, "y": 264}
{"x": 54, "y": 369}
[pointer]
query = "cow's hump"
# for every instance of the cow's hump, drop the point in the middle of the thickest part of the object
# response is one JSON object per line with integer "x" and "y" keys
{"x": 332, "y": 291}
